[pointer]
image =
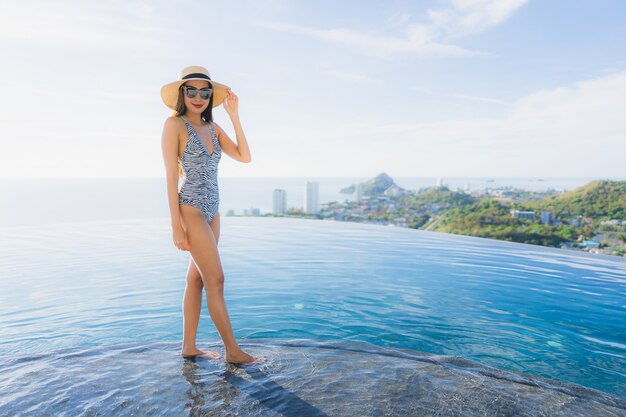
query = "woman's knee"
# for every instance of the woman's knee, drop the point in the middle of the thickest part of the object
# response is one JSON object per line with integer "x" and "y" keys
{"x": 215, "y": 279}
{"x": 194, "y": 280}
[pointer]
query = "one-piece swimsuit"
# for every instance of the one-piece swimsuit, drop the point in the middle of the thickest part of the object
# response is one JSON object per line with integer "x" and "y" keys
{"x": 199, "y": 186}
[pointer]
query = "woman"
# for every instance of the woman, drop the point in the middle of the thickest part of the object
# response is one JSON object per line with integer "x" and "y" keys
{"x": 192, "y": 145}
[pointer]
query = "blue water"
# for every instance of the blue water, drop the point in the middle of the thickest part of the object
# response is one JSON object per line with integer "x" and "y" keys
{"x": 98, "y": 287}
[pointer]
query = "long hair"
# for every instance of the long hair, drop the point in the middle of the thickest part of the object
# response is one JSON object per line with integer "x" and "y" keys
{"x": 207, "y": 114}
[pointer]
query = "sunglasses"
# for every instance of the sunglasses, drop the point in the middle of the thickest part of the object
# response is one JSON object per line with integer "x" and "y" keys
{"x": 191, "y": 92}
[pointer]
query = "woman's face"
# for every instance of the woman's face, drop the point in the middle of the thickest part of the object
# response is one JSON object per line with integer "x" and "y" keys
{"x": 196, "y": 104}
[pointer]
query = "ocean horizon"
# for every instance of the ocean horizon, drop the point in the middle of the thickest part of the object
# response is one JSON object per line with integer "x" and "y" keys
{"x": 28, "y": 201}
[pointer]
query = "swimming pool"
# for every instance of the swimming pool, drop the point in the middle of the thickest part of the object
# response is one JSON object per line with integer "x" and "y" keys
{"x": 391, "y": 320}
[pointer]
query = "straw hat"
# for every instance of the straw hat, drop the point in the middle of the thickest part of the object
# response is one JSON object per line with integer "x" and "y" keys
{"x": 169, "y": 92}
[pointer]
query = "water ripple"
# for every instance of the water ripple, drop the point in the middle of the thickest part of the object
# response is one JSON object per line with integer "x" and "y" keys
{"x": 300, "y": 377}
{"x": 523, "y": 308}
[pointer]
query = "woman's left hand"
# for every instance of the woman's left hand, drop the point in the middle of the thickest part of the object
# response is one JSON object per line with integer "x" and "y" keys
{"x": 231, "y": 103}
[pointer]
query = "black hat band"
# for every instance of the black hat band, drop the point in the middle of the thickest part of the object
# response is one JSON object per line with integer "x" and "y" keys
{"x": 196, "y": 75}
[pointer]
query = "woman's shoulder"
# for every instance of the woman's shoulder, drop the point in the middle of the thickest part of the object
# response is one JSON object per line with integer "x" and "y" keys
{"x": 174, "y": 119}
{"x": 174, "y": 122}
{"x": 174, "y": 126}
{"x": 218, "y": 129}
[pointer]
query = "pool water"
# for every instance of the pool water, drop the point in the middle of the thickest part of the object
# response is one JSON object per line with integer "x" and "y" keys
{"x": 414, "y": 321}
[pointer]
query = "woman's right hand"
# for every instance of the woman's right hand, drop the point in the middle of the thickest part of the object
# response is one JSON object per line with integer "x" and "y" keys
{"x": 180, "y": 238}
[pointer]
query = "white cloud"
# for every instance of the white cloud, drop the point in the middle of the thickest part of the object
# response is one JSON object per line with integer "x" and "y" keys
{"x": 82, "y": 24}
{"x": 588, "y": 113}
{"x": 559, "y": 131}
{"x": 373, "y": 45}
{"x": 476, "y": 98}
{"x": 352, "y": 77}
{"x": 463, "y": 18}
{"x": 399, "y": 19}
{"x": 472, "y": 16}
{"x": 488, "y": 100}
{"x": 292, "y": 123}
{"x": 460, "y": 19}
{"x": 571, "y": 131}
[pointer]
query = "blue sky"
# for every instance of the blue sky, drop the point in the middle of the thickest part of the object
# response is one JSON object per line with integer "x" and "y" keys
{"x": 506, "y": 88}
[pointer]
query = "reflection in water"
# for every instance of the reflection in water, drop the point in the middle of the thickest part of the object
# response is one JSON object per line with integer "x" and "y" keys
{"x": 208, "y": 391}
{"x": 273, "y": 395}
{"x": 301, "y": 378}
{"x": 215, "y": 395}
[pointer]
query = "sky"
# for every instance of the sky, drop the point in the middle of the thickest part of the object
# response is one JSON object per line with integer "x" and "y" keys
{"x": 446, "y": 88}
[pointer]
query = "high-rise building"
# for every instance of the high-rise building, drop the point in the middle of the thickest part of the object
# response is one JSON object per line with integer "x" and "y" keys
{"x": 529, "y": 215}
{"x": 359, "y": 192}
{"x": 545, "y": 217}
{"x": 311, "y": 198}
{"x": 279, "y": 201}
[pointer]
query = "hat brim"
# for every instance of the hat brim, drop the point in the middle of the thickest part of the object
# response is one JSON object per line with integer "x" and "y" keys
{"x": 169, "y": 92}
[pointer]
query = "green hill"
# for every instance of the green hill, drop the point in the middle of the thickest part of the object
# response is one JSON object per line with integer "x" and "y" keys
{"x": 441, "y": 196}
{"x": 372, "y": 187}
{"x": 598, "y": 199}
{"x": 468, "y": 220}
{"x": 489, "y": 218}
{"x": 493, "y": 219}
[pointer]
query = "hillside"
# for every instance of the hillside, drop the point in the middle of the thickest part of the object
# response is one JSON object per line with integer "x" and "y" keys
{"x": 598, "y": 199}
{"x": 372, "y": 187}
{"x": 442, "y": 196}
{"x": 489, "y": 218}
{"x": 492, "y": 219}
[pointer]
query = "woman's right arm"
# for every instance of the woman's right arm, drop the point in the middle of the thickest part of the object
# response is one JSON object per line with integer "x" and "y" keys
{"x": 169, "y": 145}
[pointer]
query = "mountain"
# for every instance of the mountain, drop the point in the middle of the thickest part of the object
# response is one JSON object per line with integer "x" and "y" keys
{"x": 490, "y": 218}
{"x": 374, "y": 186}
{"x": 598, "y": 199}
{"x": 442, "y": 196}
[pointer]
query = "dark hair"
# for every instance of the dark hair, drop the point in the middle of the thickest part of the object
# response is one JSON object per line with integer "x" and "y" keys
{"x": 207, "y": 114}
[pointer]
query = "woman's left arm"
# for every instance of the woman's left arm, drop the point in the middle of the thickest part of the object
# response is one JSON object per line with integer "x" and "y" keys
{"x": 240, "y": 150}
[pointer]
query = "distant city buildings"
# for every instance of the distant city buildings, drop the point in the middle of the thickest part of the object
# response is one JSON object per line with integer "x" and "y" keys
{"x": 591, "y": 244}
{"x": 252, "y": 212}
{"x": 530, "y": 215}
{"x": 384, "y": 206}
{"x": 279, "y": 201}
{"x": 613, "y": 222}
{"x": 311, "y": 198}
{"x": 359, "y": 192}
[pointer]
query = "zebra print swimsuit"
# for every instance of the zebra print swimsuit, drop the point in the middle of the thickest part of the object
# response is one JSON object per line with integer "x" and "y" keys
{"x": 199, "y": 187}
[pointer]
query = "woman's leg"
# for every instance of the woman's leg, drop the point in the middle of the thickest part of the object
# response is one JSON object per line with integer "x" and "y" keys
{"x": 192, "y": 303}
{"x": 203, "y": 248}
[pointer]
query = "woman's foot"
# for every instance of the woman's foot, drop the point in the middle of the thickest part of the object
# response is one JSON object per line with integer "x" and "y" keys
{"x": 240, "y": 356}
{"x": 190, "y": 353}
